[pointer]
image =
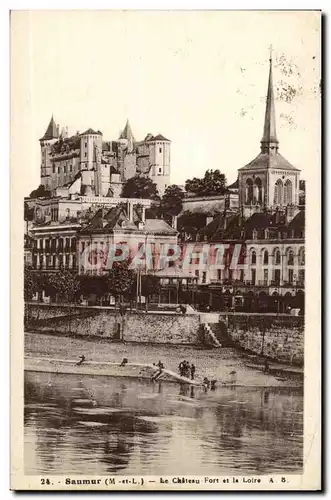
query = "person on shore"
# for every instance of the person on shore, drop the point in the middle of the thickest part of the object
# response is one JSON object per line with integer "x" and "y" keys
{"x": 160, "y": 370}
{"x": 82, "y": 359}
{"x": 206, "y": 384}
{"x": 186, "y": 369}
{"x": 124, "y": 362}
{"x": 266, "y": 366}
{"x": 192, "y": 369}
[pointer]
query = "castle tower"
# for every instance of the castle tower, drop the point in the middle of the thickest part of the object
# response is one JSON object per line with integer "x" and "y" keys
{"x": 46, "y": 141}
{"x": 269, "y": 181}
{"x": 88, "y": 142}
{"x": 159, "y": 159}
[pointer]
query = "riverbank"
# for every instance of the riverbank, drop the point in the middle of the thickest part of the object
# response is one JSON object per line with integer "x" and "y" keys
{"x": 214, "y": 364}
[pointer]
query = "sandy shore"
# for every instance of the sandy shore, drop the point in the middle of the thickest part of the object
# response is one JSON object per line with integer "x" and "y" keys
{"x": 221, "y": 364}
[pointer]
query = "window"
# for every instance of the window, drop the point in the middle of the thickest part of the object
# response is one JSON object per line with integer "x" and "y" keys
{"x": 70, "y": 168}
{"x": 41, "y": 244}
{"x": 60, "y": 246}
{"x": 67, "y": 213}
{"x": 253, "y": 276}
{"x": 301, "y": 276}
{"x": 290, "y": 259}
{"x": 74, "y": 262}
{"x": 160, "y": 170}
{"x": 60, "y": 261}
{"x": 249, "y": 191}
{"x": 204, "y": 277}
{"x": 290, "y": 275}
{"x": 53, "y": 245}
{"x": 86, "y": 144}
{"x": 83, "y": 246}
{"x": 85, "y": 154}
{"x": 277, "y": 277}
{"x": 288, "y": 192}
{"x": 265, "y": 257}
{"x": 59, "y": 170}
{"x": 47, "y": 245}
{"x": 53, "y": 169}
{"x": 54, "y": 261}
{"x": 278, "y": 195}
{"x": 65, "y": 169}
{"x": 219, "y": 274}
{"x": 241, "y": 275}
{"x": 301, "y": 257}
{"x": 73, "y": 245}
{"x": 253, "y": 258}
{"x": 277, "y": 257}
{"x": 265, "y": 276}
{"x": 160, "y": 150}
{"x": 67, "y": 244}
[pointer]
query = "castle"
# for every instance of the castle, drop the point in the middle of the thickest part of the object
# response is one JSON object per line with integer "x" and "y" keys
{"x": 85, "y": 164}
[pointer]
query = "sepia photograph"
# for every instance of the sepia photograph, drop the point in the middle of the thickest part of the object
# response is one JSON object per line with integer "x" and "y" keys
{"x": 160, "y": 164}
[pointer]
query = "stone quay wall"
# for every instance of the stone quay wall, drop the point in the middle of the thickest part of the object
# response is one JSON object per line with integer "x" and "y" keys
{"x": 156, "y": 327}
{"x": 280, "y": 337}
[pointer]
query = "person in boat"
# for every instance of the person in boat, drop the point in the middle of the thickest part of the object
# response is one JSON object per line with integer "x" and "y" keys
{"x": 124, "y": 362}
{"x": 82, "y": 359}
{"x": 213, "y": 385}
{"x": 192, "y": 369}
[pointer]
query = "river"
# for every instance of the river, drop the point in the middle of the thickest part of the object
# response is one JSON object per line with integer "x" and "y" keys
{"x": 97, "y": 425}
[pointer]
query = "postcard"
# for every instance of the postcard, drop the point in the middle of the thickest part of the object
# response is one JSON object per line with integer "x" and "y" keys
{"x": 165, "y": 250}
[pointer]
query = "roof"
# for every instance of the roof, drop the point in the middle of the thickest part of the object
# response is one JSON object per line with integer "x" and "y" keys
{"x": 158, "y": 137}
{"x": 267, "y": 161}
{"x": 234, "y": 185}
{"x": 90, "y": 131}
{"x": 158, "y": 226}
{"x": 51, "y": 131}
{"x": 127, "y": 132}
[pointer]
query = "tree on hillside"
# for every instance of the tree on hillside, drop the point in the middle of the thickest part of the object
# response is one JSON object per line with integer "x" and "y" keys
{"x": 213, "y": 183}
{"x": 140, "y": 187}
{"x": 172, "y": 201}
{"x": 40, "y": 192}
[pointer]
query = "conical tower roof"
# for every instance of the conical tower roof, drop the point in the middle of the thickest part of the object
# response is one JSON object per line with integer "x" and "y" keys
{"x": 127, "y": 132}
{"x": 269, "y": 130}
{"x": 51, "y": 131}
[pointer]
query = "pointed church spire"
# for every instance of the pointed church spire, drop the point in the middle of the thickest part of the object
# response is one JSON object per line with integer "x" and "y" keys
{"x": 51, "y": 131}
{"x": 269, "y": 140}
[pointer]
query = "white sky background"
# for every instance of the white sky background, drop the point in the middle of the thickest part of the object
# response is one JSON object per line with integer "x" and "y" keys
{"x": 199, "y": 78}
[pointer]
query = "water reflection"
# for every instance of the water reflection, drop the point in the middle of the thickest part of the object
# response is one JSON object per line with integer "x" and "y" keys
{"x": 102, "y": 425}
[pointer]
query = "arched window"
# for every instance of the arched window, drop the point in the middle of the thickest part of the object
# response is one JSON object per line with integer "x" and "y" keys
{"x": 265, "y": 257}
{"x": 278, "y": 197}
{"x": 288, "y": 192}
{"x": 290, "y": 257}
{"x": 258, "y": 191}
{"x": 253, "y": 257}
{"x": 277, "y": 257}
{"x": 249, "y": 191}
{"x": 301, "y": 256}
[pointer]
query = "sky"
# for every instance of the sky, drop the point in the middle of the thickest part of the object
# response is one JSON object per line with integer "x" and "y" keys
{"x": 197, "y": 77}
